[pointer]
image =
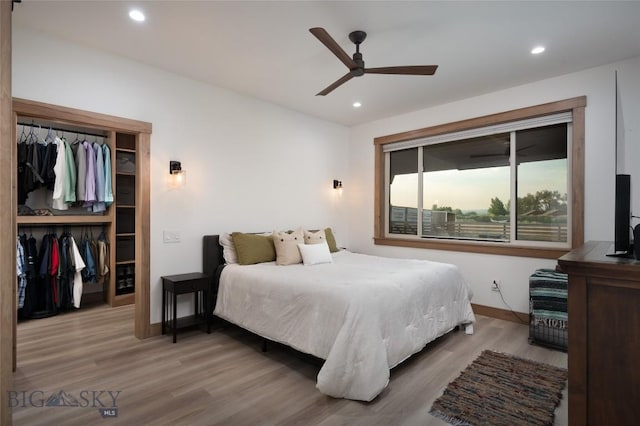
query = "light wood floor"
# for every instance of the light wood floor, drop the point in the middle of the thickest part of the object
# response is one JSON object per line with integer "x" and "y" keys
{"x": 224, "y": 378}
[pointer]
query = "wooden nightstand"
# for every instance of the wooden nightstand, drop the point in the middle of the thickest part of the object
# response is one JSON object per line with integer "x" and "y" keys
{"x": 197, "y": 283}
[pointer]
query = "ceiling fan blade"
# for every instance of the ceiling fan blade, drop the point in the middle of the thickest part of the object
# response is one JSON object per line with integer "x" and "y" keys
{"x": 324, "y": 37}
{"x": 348, "y": 76}
{"x": 408, "y": 70}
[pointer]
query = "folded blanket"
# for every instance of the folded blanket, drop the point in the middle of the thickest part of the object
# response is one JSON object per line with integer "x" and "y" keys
{"x": 548, "y": 298}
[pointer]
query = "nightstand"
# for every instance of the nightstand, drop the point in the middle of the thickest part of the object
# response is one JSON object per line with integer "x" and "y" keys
{"x": 172, "y": 285}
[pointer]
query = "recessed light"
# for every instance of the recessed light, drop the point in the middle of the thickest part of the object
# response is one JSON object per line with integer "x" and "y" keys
{"x": 357, "y": 104}
{"x": 537, "y": 50}
{"x": 136, "y": 15}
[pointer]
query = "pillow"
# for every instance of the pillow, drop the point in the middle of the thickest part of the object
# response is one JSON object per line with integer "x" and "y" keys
{"x": 286, "y": 245}
{"x": 314, "y": 237}
{"x": 331, "y": 240}
{"x": 252, "y": 248}
{"x": 228, "y": 249}
{"x": 313, "y": 254}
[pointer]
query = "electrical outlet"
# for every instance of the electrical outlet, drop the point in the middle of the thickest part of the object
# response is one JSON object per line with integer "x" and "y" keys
{"x": 495, "y": 285}
{"x": 171, "y": 236}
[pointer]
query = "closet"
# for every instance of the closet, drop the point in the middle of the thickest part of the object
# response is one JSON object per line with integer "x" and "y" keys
{"x": 122, "y": 221}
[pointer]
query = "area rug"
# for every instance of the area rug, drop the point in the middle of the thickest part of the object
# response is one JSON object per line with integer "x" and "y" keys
{"x": 501, "y": 389}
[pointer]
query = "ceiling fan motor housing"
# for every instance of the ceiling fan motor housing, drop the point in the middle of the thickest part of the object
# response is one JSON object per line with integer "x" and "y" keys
{"x": 357, "y": 37}
{"x": 357, "y": 58}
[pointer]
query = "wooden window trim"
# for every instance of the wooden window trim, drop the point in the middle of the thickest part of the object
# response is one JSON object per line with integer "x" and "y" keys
{"x": 575, "y": 105}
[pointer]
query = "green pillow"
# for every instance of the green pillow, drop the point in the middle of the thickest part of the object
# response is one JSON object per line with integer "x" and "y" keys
{"x": 253, "y": 248}
{"x": 331, "y": 240}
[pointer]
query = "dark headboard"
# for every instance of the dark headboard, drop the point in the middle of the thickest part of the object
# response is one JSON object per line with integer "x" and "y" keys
{"x": 212, "y": 262}
{"x": 211, "y": 254}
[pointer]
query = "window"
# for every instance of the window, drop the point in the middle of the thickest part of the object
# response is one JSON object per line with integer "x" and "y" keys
{"x": 511, "y": 185}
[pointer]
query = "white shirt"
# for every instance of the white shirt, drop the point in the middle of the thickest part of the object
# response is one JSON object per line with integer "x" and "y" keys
{"x": 59, "y": 169}
{"x": 77, "y": 277}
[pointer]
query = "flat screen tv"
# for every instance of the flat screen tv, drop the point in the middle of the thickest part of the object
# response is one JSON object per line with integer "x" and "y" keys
{"x": 622, "y": 241}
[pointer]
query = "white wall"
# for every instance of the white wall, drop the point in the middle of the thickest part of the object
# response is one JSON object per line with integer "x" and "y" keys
{"x": 598, "y": 85}
{"x": 251, "y": 165}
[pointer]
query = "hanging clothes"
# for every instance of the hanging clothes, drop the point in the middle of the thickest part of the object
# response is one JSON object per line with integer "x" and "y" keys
{"x": 79, "y": 266}
{"x": 93, "y": 244}
{"x": 81, "y": 170}
{"x": 103, "y": 256}
{"x": 48, "y": 154}
{"x": 69, "y": 187}
{"x": 44, "y": 303}
{"x": 64, "y": 294}
{"x": 24, "y": 184}
{"x": 89, "y": 272}
{"x": 33, "y": 156}
{"x": 108, "y": 190}
{"x": 99, "y": 205}
{"x": 28, "y": 166}
{"x": 54, "y": 279}
{"x": 60, "y": 171}
{"x": 20, "y": 270}
{"x": 54, "y": 264}
{"x": 90, "y": 181}
{"x": 31, "y": 274}
{"x": 78, "y": 172}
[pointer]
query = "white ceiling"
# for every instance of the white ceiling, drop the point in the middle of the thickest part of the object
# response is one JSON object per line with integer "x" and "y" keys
{"x": 264, "y": 49}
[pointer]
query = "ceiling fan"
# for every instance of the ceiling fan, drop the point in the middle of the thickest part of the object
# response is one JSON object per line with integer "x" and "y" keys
{"x": 356, "y": 65}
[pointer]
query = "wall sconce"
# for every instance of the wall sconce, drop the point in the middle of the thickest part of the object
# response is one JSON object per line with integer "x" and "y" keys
{"x": 178, "y": 176}
{"x": 337, "y": 184}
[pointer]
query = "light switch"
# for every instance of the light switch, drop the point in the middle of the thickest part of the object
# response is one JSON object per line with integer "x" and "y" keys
{"x": 171, "y": 236}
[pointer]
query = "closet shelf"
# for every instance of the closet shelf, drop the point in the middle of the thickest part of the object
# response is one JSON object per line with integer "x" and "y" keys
{"x": 125, "y": 206}
{"x": 63, "y": 220}
{"x": 126, "y": 234}
{"x": 125, "y": 173}
{"x": 126, "y": 262}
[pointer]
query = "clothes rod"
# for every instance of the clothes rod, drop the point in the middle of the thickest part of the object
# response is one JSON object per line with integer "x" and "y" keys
{"x": 58, "y": 129}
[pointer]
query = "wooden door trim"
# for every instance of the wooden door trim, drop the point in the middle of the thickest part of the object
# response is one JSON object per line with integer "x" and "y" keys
{"x": 8, "y": 165}
{"x": 108, "y": 123}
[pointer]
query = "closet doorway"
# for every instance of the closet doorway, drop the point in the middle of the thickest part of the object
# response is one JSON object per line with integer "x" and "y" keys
{"x": 122, "y": 146}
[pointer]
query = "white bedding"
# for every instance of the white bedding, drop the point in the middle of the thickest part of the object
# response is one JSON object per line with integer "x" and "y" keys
{"x": 361, "y": 314}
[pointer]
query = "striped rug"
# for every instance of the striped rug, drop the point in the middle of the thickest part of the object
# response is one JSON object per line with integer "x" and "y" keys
{"x": 501, "y": 389}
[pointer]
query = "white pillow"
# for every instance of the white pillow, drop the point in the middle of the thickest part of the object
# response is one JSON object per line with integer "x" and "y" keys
{"x": 286, "y": 245}
{"x": 313, "y": 254}
{"x": 228, "y": 249}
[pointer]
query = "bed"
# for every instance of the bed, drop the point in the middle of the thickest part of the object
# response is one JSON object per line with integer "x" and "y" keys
{"x": 361, "y": 314}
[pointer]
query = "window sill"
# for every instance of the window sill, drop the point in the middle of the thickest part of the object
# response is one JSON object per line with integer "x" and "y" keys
{"x": 501, "y": 249}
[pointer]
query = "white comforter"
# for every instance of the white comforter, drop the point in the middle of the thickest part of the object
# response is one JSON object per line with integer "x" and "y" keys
{"x": 361, "y": 314}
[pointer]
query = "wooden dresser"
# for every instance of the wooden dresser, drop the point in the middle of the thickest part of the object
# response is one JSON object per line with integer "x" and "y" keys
{"x": 604, "y": 336}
